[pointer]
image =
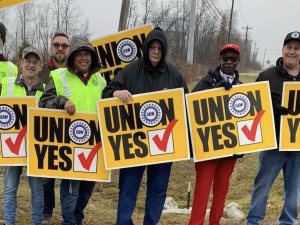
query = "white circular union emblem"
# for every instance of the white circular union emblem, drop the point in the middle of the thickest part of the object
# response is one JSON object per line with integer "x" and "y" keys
{"x": 150, "y": 114}
{"x": 7, "y": 117}
{"x": 295, "y": 35}
{"x": 239, "y": 105}
{"x": 126, "y": 50}
{"x": 79, "y": 131}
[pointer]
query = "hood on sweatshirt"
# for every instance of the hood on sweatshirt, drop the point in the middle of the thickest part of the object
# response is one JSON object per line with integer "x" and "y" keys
{"x": 82, "y": 43}
{"x": 156, "y": 34}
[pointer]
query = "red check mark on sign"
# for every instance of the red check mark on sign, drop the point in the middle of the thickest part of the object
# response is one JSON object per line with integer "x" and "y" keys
{"x": 86, "y": 162}
{"x": 250, "y": 134}
{"x": 162, "y": 143}
{"x": 15, "y": 147}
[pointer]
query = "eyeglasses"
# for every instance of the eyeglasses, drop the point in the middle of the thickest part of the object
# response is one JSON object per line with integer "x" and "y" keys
{"x": 28, "y": 62}
{"x": 226, "y": 58}
{"x": 57, "y": 45}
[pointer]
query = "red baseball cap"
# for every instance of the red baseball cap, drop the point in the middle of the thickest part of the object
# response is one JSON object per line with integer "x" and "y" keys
{"x": 230, "y": 46}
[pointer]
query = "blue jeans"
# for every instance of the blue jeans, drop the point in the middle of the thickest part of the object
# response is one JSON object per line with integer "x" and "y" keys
{"x": 49, "y": 196}
{"x": 270, "y": 164}
{"x": 74, "y": 197}
{"x": 11, "y": 183}
{"x": 129, "y": 184}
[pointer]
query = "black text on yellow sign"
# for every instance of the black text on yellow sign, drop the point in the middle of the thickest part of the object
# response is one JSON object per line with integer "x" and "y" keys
{"x": 62, "y": 146}
{"x": 13, "y": 129}
{"x": 290, "y": 129}
{"x": 224, "y": 123}
{"x": 117, "y": 50}
{"x": 151, "y": 129}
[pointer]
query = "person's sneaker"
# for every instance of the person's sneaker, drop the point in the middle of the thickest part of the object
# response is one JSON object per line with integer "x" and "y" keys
{"x": 47, "y": 220}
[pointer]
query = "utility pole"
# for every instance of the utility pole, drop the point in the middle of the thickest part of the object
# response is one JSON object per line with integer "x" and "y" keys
{"x": 124, "y": 15}
{"x": 256, "y": 52}
{"x": 230, "y": 21}
{"x": 245, "y": 49}
{"x": 255, "y": 43}
{"x": 264, "y": 59}
{"x": 190, "y": 52}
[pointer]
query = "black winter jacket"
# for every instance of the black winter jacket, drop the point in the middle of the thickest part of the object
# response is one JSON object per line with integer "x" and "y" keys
{"x": 210, "y": 81}
{"x": 141, "y": 77}
{"x": 277, "y": 76}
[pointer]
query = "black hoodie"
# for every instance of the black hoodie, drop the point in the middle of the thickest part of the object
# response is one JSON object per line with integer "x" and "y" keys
{"x": 141, "y": 77}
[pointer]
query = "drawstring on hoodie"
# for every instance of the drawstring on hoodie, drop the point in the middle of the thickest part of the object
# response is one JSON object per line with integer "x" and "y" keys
{"x": 70, "y": 188}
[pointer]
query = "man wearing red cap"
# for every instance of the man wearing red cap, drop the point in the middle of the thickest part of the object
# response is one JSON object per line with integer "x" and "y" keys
{"x": 217, "y": 171}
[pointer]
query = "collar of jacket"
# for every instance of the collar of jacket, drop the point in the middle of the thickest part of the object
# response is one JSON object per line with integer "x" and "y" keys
{"x": 279, "y": 66}
{"x": 215, "y": 74}
{"x": 38, "y": 86}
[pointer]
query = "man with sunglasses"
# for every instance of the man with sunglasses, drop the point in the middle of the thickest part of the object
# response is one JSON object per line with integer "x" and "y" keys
{"x": 27, "y": 84}
{"x": 272, "y": 162}
{"x": 7, "y": 69}
{"x": 75, "y": 88}
{"x": 217, "y": 171}
{"x": 59, "y": 51}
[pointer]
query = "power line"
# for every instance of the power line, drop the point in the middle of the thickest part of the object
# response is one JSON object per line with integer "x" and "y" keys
{"x": 241, "y": 12}
{"x": 211, "y": 11}
{"x": 221, "y": 14}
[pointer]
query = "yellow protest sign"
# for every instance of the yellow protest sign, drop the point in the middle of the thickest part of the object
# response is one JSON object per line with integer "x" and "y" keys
{"x": 64, "y": 146}
{"x": 149, "y": 130}
{"x": 223, "y": 123}
{"x": 117, "y": 50}
{"x": 13, "y": 129}
{"x": 289, "y": 128}
{"x": 8, "y": 3}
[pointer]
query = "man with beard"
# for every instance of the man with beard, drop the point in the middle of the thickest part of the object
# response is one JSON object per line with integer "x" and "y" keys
{"x": 59, "y": 50}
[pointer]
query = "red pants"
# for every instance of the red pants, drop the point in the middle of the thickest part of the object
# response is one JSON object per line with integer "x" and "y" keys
{"x": 217, "y": 171}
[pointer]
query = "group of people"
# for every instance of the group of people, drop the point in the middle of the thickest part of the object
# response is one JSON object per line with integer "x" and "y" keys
{"x": 71, "y": 81}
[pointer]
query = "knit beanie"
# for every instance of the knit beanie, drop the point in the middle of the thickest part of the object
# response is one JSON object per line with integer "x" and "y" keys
{"x": 3, "y": 31}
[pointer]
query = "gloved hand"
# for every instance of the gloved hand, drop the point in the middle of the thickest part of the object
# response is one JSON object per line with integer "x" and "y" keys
{"x": 224, "y": 83}
{"x": 281, "y": 110}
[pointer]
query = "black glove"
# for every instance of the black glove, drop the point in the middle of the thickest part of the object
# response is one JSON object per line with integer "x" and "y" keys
{"x": 281, "y": 110}
{"x": 224, "y": 83}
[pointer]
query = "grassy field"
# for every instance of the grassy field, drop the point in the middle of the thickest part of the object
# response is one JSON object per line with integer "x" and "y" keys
{"x": 101, "y": 209}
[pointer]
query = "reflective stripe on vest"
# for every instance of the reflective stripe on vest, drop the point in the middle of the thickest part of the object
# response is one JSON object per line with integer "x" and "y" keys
{"x": 65, "y": 83}
{"x": 10, "y": 86}
{"x": 11, "y": 72}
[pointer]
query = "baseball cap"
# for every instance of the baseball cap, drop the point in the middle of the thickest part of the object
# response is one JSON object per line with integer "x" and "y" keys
{"x": 292, "y": 36}
{"x": 230, "y": 46}
{"x": 32, "y": 50}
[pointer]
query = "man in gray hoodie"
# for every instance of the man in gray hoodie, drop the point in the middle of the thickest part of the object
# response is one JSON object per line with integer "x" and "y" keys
{"x": 76, "y": 87}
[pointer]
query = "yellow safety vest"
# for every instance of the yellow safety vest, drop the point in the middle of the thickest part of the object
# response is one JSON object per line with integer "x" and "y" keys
{"x": 9, "y": 88}
{"x": 84, "y": 97}
{"x": 7, "y": 70}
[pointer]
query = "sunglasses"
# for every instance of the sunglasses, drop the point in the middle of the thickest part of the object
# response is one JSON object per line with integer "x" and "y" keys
{"x": 57, "y": 45}
{"x": 226, "y": 58}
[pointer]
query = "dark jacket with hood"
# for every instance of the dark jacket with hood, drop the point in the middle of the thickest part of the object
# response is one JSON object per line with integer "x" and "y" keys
{"x": 141, "y": 77}
{"x": 277, "y": 76}
{"x": 210, "y": 81}
{"x": 49, "y": 98}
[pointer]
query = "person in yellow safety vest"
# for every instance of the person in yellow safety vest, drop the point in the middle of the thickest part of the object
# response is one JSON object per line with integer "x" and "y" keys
{"x": 7, "y": 69}
{"x": 27, "y": 84}
{"x": 76, "y": 87}
{"x": 59, "y": 51}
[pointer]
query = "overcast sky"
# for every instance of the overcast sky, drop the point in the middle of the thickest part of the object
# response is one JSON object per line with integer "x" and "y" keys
{"x": 271, "y": 20}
